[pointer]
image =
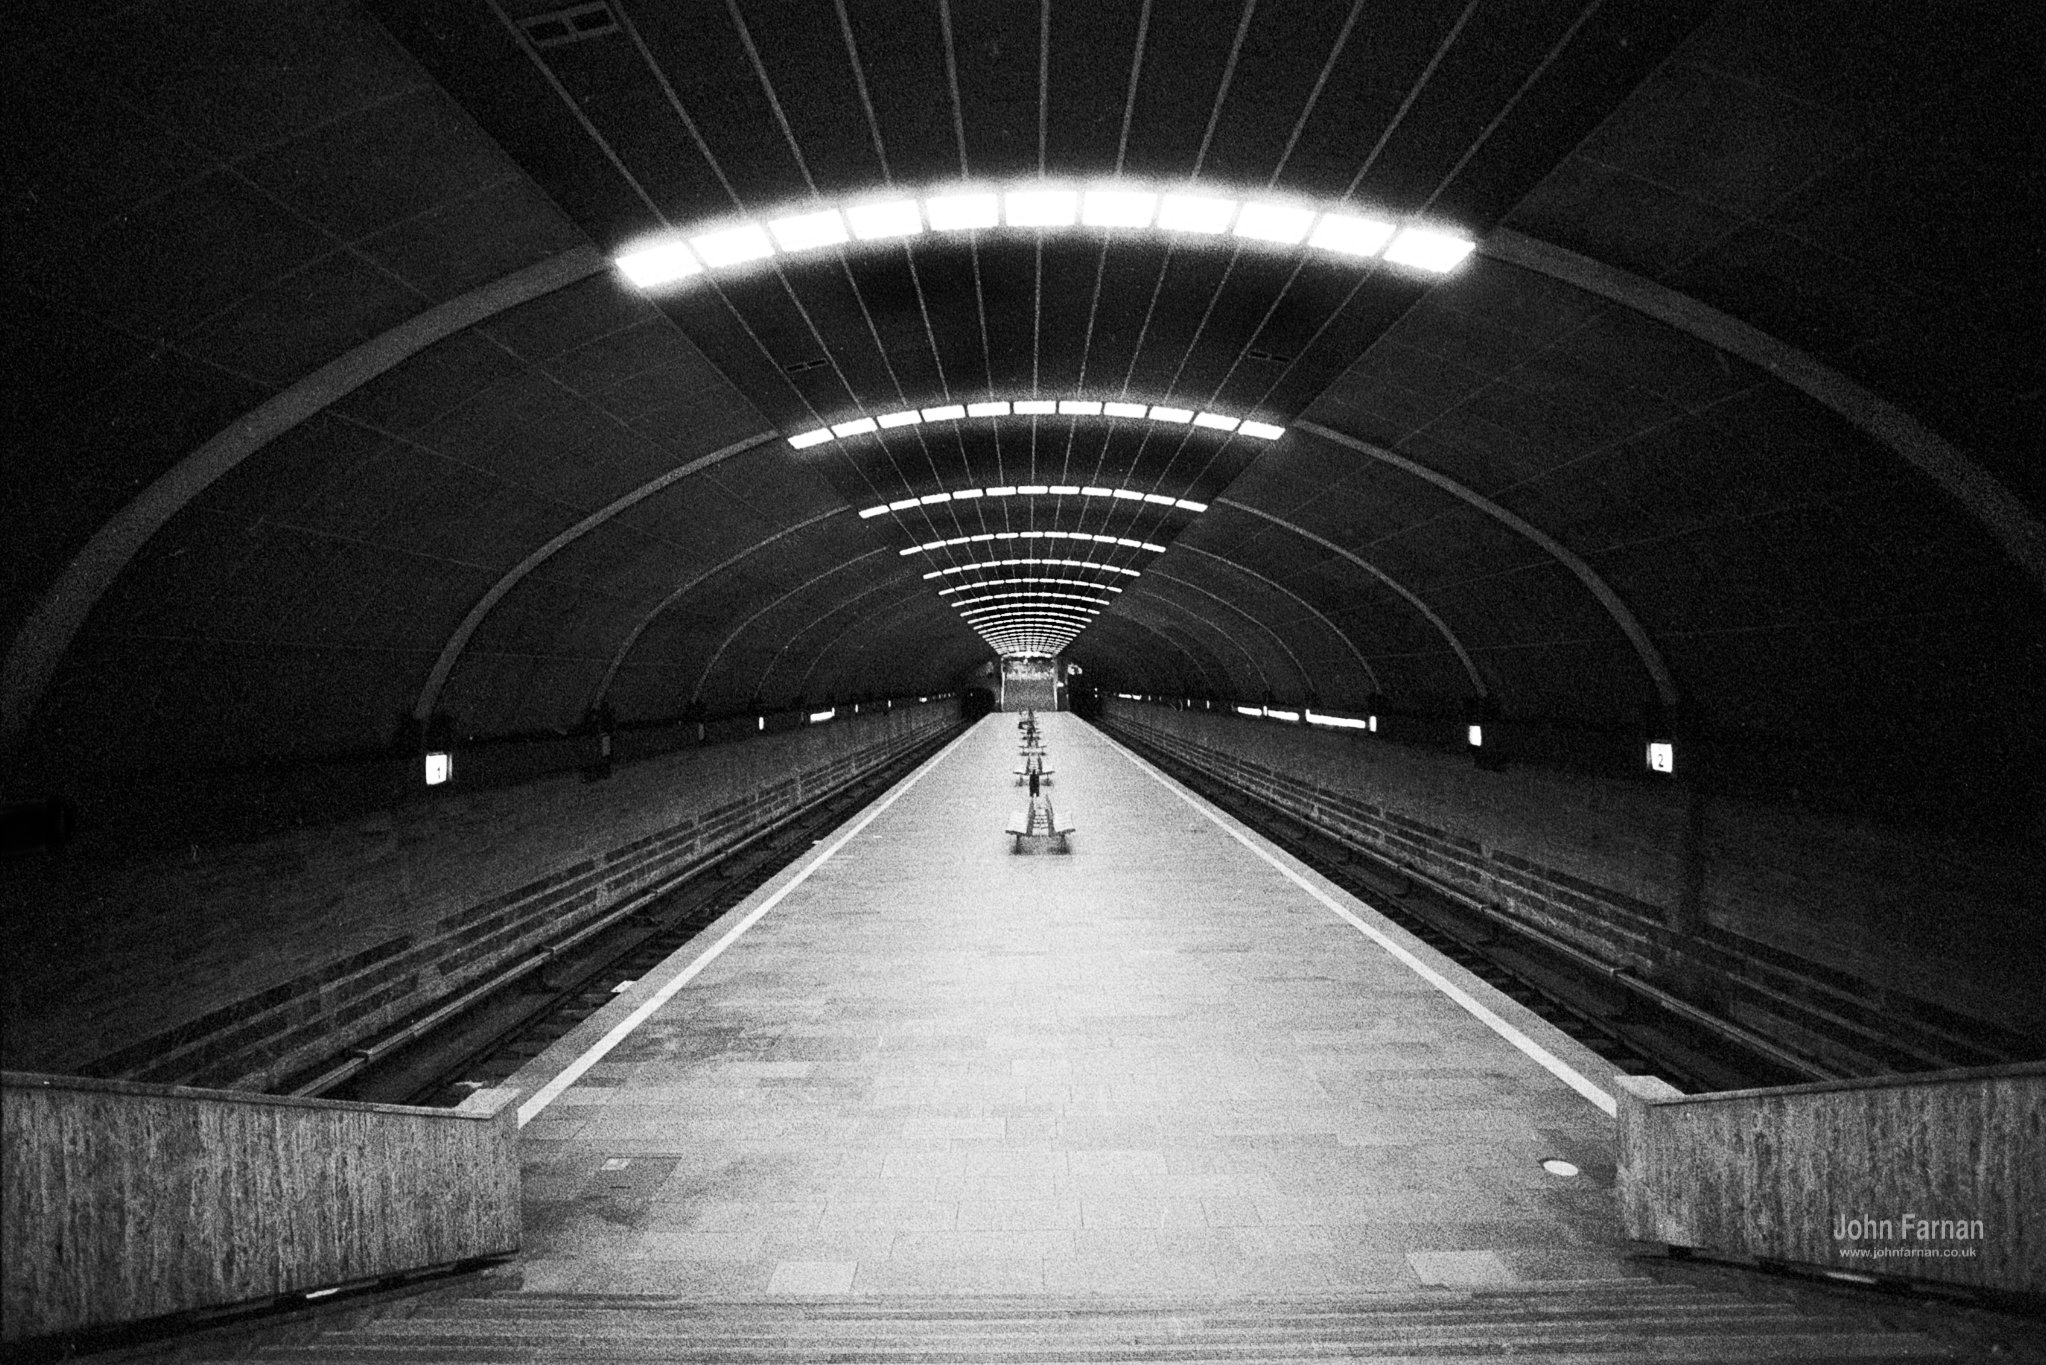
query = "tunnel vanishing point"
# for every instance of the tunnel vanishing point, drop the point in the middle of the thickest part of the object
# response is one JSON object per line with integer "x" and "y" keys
{"x": 1521, "y": 524}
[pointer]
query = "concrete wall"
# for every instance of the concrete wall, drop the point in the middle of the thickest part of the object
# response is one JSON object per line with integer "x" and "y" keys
{"x": 1871, "y": 948}
{"x": 254, "y": 961}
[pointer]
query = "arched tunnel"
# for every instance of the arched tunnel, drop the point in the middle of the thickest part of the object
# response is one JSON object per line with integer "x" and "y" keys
{"x": 1576, "y": 461}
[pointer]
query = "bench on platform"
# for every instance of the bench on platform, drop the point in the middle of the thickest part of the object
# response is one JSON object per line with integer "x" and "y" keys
{"x": 1046, "y": 835}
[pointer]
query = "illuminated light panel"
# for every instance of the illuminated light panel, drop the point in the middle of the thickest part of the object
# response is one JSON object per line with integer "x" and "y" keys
{"x": 1110, "y": 208}
{"x": 1069, "y": 407}
{"x": 804, "y": 440}
{"x": 1476, "y": 735}
{"x": 886, "y": 218}
{"x": 1033, "y": 488}
{"x": 1350, "y": 235}
{"x": 1005, "y": 491}
{"x": 966, "y": 603}
{"x": 733, "y": 246}
{"x": 440, "y": 767}
{"x": 962, "y": 212}
{"x": 1662, "y": 757}
{"x": 1041, "y": 208}
{"x": 929, "y": 498}
{"x": 819, "y": 717}
{"x": 1013, "y": 563}
{"x": 1190, "y": 505}
{"x": 1337, "y": 722}
{"x": 1273, "y": 713}
{"x": 1160, "y": 499}
{"x": 1197, "y": 213}
{"x": 657, "y": 265}
{"x": 1280, "y": 223}
{"x": 866, "y": 512}
{"x": 859, "y": 426}
{"x": 900, "y": 503}
{"x": 966, "y": 494}
{"x": 1256, "y": 711}
{"x": 881, "y": 216}
{"x": 1129, "y": 495}
{"x": 809, "y": 231}
{"x": 1426, "y": 250}
{"x": 978, "y": 584}
{"x": 1090, "y": 491}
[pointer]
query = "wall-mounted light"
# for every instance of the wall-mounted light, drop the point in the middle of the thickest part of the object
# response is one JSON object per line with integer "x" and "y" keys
{"x": 819, "y": 717}
{"x": 1662, "y": 756}
{"x": 440, "y": 768}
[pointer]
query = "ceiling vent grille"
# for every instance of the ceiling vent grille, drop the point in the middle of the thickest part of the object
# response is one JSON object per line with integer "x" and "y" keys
{"x": 570, "y": 25}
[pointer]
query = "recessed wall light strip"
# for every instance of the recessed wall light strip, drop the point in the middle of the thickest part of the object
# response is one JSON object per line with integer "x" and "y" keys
{"x": 1087, "y": 409}
{"x": 873, "y": 220}
{"x": 1062, "y": 490}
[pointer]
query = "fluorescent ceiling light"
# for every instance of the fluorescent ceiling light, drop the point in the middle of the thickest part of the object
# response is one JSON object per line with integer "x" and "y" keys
{"x": 804, "y": 440}
{"x": 929, "y": 498}
{"x": 1158, "y": 498}
{"x": 745, "y": 242}
{"x": 949, "y": 413}
{"x": 1079, "y": 407}
{"x": 1123, "y": 409}
{"x": 1035, "y": 407}
{"x": 1280, "y": 223}
{"x": 662, "y": 264}
{"x": 1215, "y": 420}
{"x": 888, "y": 218}
{"x": 1118, "y": 208}
{"x": 962, "y": 212}
{"x": 1041, "y": 208}
{"x": 1171, "y": 414}
{"x": 1002, "y": 492}
{"x": 900, "y": 419}
{"x": 1033, "y": 488}
{"x": 1143, "y": 545}
{"x": 808, "y": 231}
{"x": 1337, "y": 722}
{"x": 1189, "y": 505}
{"x": 1436, "y": 251}
{"x": 993, "y": 409}
{"x": 1129, "y": 495}
{"x": 859, "y": 426}
{"x": 1064, "y": 490}
{"x": 1351, "y": 235}
{"x": 1195, "y": 213}
{"x": 1274, "y": 713}
{"x": 1264, "y": 431}
{"x": 961, "y": 495}
{"x": 1090, "y": 491}
{"x": 900, "y": 504}
{"x": 866, "y": 512}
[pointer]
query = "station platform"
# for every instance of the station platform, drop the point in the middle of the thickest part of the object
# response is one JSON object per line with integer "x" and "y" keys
{"x": 1171, "y": 1062}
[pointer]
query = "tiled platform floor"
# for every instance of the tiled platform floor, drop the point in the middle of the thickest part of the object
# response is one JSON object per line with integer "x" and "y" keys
{"x": 1152, "y": 1066}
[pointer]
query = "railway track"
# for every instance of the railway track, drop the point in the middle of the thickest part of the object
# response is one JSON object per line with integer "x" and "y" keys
{"x": 504, "y": 1029}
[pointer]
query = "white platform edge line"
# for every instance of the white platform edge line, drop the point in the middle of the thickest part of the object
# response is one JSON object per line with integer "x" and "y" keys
{"x": 1542, "y": 1057}
{"x": 620, "y": 1031}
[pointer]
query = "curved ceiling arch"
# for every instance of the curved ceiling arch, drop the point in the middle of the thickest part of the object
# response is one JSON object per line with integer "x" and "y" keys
{"x": 885, "y": 585}
{"x": 710, "y": 665}
{"x": 1334, "y": 629}
{"x": 1622, "y": 615}
{"x": 1307, "y": 682}
{"x": 2007, "y": 519}
{"x": 1250, "y": 656}
{"x": 639, "y": 627}
{"x": 1470, "y": 668}
{"x": 451, "y": 652}
{"x": 1179, "y": 646}
{"x": 864, "y": 645}
{"x": 54, "y": 622}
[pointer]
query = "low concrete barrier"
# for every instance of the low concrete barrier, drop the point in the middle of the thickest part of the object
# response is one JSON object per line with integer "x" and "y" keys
{"x": 1938, "y": 1177}
{"x": 126, "y": 1202}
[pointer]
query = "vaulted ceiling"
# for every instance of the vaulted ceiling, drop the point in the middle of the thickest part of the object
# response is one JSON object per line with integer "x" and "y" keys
{"x": 329, "y": 407}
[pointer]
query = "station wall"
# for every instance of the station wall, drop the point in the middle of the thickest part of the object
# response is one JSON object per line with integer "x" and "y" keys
{"x": 1871, "y": 948}
{"x": 259, "y": 959}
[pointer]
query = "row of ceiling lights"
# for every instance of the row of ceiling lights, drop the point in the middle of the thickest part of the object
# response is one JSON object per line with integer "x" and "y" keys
{"x": 1067, "y": 490}
{"x": 1038, "y": 407}
{"x": 1038, "y": 206}
{"x": 1123, "y": 541}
